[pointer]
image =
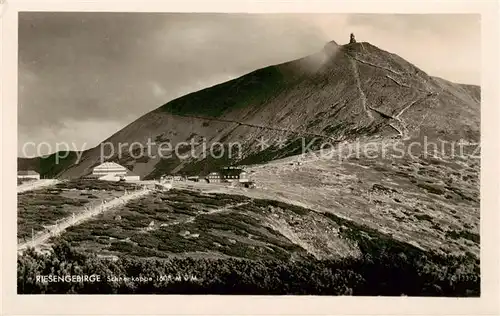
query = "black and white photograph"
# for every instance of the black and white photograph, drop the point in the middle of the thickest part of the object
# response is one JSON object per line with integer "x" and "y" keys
{"x": 310, "y": 154}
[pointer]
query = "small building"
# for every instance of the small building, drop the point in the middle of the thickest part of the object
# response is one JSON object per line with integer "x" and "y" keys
{"x": 352, "y": 39}
{"x": 214, "y": 177}
{"x": 172, "y": 178}
{"x": 231, "y": 174}
{"x": 163, "y": 186}
{"x": 193, "y": 178}
{"x": 28, "y": 175}
{"x": 166, "y": 177}
{"x": 130, "y": 176}
{"x": 249, "y": 184}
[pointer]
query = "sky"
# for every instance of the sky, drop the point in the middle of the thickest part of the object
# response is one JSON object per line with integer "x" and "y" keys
{"x": 84, "y": 76}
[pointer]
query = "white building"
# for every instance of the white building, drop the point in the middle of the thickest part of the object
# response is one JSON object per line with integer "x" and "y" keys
{"x": 109, "y": 168}
{"x": 111, "y": 171}
{"x": 130, "y": 176}
{"x": 28, "y": 174}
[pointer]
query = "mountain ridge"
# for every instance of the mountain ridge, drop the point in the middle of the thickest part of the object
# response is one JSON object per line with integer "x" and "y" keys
{"x": 339, "y": 93}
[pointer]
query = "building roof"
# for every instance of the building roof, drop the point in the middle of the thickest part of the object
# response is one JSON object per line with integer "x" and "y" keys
{"x": 27, "y": 173}
{"x": 110, "y": 165}
{"x": 232, "y": 172}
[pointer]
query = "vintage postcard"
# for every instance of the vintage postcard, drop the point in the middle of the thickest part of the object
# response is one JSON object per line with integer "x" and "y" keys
{"x": 228, "y": 153}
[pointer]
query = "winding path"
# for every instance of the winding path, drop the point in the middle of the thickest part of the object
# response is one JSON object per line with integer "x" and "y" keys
{"x": 279, "y": 129}
{"x": 361, "y": 92}
{"x": 376, "y": 66}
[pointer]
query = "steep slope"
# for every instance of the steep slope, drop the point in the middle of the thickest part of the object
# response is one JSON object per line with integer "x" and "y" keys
{"x": 340, "y": 93}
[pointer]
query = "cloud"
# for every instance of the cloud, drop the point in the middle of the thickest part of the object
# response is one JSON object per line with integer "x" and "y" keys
{"x": 73, "y": 135}
{"x": 158, "y": 91}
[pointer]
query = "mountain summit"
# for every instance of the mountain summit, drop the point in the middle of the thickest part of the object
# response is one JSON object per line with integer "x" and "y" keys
{"x": 340, "y": 93}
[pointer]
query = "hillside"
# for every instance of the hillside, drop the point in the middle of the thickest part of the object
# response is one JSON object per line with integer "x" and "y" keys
{"x": 340, "y": 93}
{"x": 345, "y": 223}
{"x": 246, "y": 244}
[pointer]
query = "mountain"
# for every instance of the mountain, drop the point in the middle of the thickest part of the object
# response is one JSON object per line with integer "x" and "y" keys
{"x": 342, "y": 93}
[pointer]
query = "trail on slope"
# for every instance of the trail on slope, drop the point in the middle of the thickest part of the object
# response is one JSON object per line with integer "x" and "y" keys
{"x": 397, "y": 82}
{"x": 36, "y": 185}
{"x": 361, "y": 92}
{"x": 376, "y": 66}
{"x": 83, "y": 216}
{"x": 280, "y": 129}
{"x": 401, "y": 130}
{"x": 309, "y": 240}
{"x": 398, "y": 125}
{"x": 411, "y": 104}
{"x": 404, "y": 132}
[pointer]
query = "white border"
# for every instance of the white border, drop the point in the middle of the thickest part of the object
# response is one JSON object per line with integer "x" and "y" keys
{"x": 13, "y": 304}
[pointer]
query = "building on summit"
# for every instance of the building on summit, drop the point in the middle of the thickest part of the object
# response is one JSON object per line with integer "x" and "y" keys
{"x": 353, "y": 39}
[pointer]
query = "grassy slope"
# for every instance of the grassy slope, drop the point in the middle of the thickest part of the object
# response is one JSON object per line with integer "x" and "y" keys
{"x": 430, "y": 202}
{"x": 381, "y": 265}
{"x": 251, "y": 89}
{"x": 233, "y": 225}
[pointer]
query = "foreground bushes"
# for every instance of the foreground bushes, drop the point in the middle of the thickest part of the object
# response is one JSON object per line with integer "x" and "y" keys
{"x": 387, "y": 274}
{"x": 387, "y": 266}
